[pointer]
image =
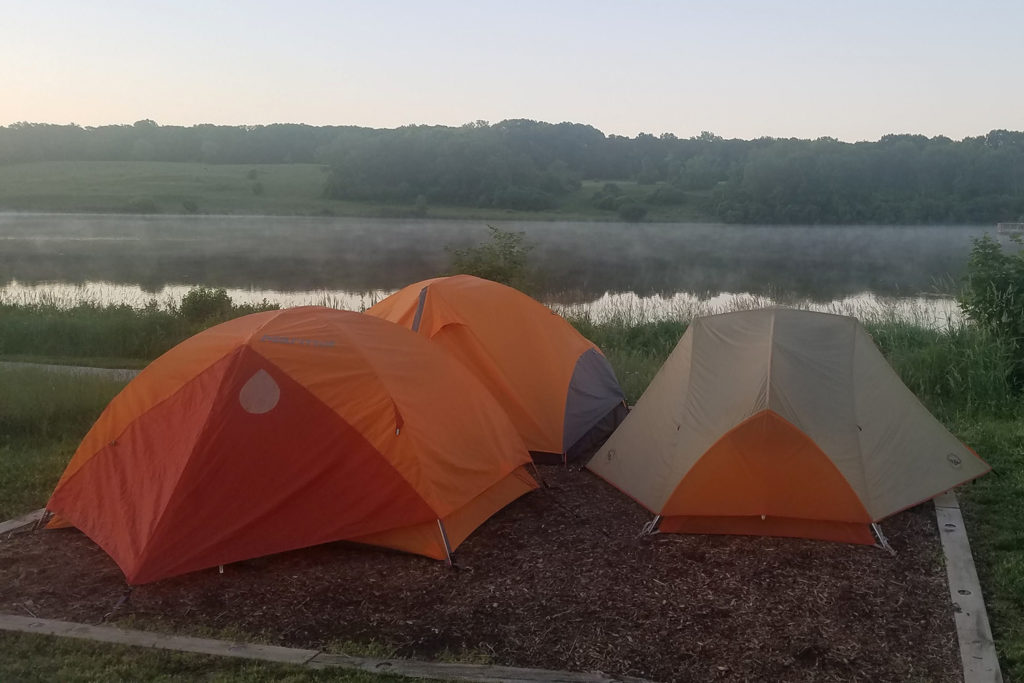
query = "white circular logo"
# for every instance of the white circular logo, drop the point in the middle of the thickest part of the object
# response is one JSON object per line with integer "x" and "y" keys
{"x": 260, "y": 394}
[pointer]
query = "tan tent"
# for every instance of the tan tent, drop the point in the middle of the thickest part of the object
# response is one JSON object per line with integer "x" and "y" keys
{"x": 783, "y": 423}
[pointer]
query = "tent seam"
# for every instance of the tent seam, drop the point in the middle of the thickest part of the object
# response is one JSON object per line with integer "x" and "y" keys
{"x": 143, "y": 552}
{"x": 506, "y": 385}
{"x": 387, "y": 390}
{"x": 860, "y": 446}
{"x": 342, "y": 418}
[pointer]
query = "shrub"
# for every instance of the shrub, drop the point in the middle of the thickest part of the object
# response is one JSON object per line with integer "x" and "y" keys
{"x": 204, "y": 305}
{"x": 993, "y": 295}
{"x": 632, "y": 212}
{"x": 503, "y": 259}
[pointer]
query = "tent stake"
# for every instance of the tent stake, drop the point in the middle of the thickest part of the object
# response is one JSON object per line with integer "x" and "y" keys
{"x": 536, "y": 471}
{"x": 651, "y": 527}
{"x": 883, "y": 542}
{"x": 447, "y": 547}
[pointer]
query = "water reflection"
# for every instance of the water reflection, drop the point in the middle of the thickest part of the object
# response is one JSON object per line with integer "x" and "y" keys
{"x": 637, "y": 271}
{"x": 925, "y": 310}
{"x": 580, "y": 261}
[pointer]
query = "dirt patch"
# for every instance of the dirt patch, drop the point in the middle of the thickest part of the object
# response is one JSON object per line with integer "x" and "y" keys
{"x": 559, "y": 580}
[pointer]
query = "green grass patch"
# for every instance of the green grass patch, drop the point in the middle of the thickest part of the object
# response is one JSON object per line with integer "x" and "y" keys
{"x": 992, "y": 508}
{"x": 146, "y": 187}
{"x": 163, "y": 187}
{"x": 43, "y": 417}
{"x": 29, "y": 657}
{"x": 89, "y": 330}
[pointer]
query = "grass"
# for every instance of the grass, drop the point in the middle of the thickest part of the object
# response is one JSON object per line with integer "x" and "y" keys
{"x": 89, "y": 330}
{"x": 992, "y": 510}
{"x": 43, "y": 416}
{"x": 31, "y": 657}
{"x": 86, "y": 332}
{"x": 162, "y": 187}
{"x": 284, "y": 189}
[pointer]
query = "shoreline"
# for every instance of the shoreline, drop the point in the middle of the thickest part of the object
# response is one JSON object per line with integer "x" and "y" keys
{"x": 508, "y": 217}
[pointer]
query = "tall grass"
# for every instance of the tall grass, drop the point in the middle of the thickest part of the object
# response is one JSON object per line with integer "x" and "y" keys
{"x": 959, "y": 371}
{"x": 87, "y": 329}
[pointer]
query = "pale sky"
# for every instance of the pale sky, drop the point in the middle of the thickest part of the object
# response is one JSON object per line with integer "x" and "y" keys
{"x": 854, "y": 70}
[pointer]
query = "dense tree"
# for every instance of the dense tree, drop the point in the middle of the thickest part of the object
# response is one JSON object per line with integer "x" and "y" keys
{"x": 530, "y": 165}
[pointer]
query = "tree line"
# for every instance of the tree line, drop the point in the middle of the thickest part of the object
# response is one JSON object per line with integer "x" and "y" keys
{"x": 530, "y": 165}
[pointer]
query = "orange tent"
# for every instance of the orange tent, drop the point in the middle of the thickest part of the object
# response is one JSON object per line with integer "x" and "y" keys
{"x": 781, "y": 423}
{"x": 556, "y": 386}
{"x": 286, "y": 429}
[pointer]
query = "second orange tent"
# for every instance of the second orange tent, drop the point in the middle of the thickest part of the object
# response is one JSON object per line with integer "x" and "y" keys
{"x": 556, "y": 386}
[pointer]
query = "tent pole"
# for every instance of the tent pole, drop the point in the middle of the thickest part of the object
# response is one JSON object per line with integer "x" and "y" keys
{"x": 883, "y": 542}
{"x": 447, "y": 547}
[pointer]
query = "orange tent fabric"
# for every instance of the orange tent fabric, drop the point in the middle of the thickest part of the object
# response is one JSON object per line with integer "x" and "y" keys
{"x": 784, "y": 423}
{"x": 285, "y": 429}
{"x": 555, "y": 384}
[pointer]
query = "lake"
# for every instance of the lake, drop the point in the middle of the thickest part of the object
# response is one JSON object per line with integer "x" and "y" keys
{"x": 654, "y": 269}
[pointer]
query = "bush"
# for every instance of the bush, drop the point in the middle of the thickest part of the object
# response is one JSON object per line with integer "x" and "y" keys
{"x": 667, "y": 195}
{"x": 503, "y": 259}
{"x": 993, "y": 296}
{"x": 632, "y": 212}
{"x": 204, "y": 305}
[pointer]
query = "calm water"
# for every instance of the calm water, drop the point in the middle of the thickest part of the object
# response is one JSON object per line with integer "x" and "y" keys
{"x": 660, "y": 269}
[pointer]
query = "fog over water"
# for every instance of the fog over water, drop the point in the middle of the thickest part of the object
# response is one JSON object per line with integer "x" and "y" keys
{"x": 660, "y": 269}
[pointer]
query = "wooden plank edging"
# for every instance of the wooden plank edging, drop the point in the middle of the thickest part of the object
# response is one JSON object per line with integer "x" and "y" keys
{"x": 23, "y": 521}
{"x": 122, "y": 374}
{"x": 311, "y": 658}
{"x": 977, "y": 649}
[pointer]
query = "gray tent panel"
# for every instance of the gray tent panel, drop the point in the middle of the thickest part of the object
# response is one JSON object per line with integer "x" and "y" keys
{"x": 593, "y": 393}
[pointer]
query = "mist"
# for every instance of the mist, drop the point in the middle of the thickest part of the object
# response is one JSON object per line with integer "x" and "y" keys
{"x": 574, "y": 262}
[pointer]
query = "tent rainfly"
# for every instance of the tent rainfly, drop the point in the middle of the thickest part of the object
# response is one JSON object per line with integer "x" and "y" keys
{"x": 286, "y": 429}
{"x": 782, "y": 423}
{"x": 556, "y": 386}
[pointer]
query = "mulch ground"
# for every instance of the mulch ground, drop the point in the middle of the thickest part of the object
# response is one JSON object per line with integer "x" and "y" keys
{"x": 558, "y": 580}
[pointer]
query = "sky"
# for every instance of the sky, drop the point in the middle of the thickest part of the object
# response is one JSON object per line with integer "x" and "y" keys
{"x": 853, "y": 70}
